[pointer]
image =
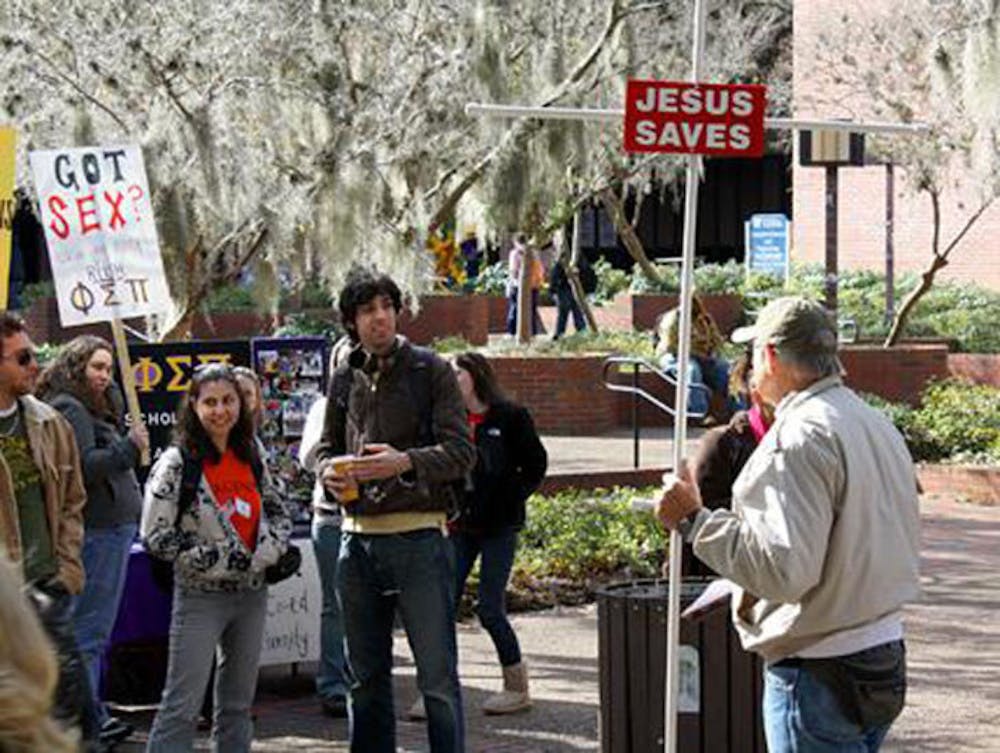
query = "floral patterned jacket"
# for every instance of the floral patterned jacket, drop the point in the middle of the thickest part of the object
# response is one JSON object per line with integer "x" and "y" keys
{"x": 207, "y": 552}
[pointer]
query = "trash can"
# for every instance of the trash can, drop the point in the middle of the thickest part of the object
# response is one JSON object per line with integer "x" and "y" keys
{"x": 719, "y": 685}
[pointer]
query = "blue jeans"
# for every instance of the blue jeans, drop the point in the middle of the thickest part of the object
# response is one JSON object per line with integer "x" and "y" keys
{"x": 566, "y": 304}
{"x": 802, "y": 713}
{"x": 105, "y": 564}
{"x": 536, "y": 322}
{"x": 414, "y": 572}
{"x": 498, "y": 557}
{"x": 331, "y": 680}
{"x": 697, "y": 394}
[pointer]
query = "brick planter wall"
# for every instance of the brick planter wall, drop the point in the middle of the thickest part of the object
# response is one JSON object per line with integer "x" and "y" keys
{"x": 444, "y": 315}
{"x": 974, "y": 483}
{"x": 497, "y": 306}
{"x": 981, "y": 368}
{"x": 727, "y": 310}
{"x": 899, "y": 373}
{"x": 564, "y": 395}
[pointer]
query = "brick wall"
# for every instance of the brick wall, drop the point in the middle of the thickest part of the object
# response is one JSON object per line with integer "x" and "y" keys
{"x": 564, "y": 395}
{"x": 727, "y": 310}
{"x": 862, "y": 194}
{"x": 981, "y": 368}
{"x": 973, "y": 483}
{"x": 442, "y": 315}
{"x": 898, "y": 374}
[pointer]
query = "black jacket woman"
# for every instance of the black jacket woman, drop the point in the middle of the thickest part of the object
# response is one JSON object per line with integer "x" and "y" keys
{"x": 79, "y": 384}
{"x": 510, "y": 464}
{"x": 221, "y": 538}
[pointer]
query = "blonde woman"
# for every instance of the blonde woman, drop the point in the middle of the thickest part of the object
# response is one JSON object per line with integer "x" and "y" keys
{"x": 28, "y": 675}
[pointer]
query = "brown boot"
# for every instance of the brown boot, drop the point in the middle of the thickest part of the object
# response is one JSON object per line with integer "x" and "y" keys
{"x": 514, "y": 696}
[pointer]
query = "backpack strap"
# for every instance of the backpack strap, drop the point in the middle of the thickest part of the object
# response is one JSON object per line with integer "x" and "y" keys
{"x": 190, "y": 478}
{"x": 343, "y": 378}
{"x": 422, "y": 393}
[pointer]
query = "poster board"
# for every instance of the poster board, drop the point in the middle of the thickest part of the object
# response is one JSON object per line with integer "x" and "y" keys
{"x": 99, "y": 227}
{"x": 767, "y": 244}
{"x": 8, "y": 207}
{"x": 293, "y": 374}
{"x": 292, "y": 626}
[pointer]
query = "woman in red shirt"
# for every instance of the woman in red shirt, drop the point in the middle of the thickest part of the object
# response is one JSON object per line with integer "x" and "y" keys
{"x": 211, "y": 508}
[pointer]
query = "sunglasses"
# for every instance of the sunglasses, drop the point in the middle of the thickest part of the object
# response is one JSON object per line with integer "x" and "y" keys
{"x": 22, "y": 357}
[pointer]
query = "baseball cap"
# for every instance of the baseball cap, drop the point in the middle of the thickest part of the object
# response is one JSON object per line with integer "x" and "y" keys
{"x": 800, "y": 325}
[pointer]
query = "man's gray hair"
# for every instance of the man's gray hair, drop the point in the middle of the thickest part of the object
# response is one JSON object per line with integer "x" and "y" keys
{"x": 818, "y": 365}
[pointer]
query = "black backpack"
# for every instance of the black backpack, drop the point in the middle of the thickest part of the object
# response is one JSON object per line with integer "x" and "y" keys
{"x": 163, "y": 570}
{"x": 422, "y": 395}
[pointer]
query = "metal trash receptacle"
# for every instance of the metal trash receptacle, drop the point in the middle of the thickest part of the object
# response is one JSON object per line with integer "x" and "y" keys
{"x": 720, "y": 684}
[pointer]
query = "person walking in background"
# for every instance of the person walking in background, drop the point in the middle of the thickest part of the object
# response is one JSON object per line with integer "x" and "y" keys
{"x": 562, "y": 291}
{"x": 42, "y": 498}
{"x": 823, "y": 541}
{"x": 510, "y": 464}
{"x": 536, "y": 276}
{"x": 331, "y": 675}
{"x": 79, "y": 384}
{"x": 28, "y": 674}
{"x": 211, "y": 508}
{"x": 396, "y": 410}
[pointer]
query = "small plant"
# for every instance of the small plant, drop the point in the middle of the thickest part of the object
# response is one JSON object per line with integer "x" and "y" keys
{"x": 305, "y": 325}
{"x": 231, "y": 298}
{"x": 492, "y": 280}
{"x": 34, "y": 291}
{"x": 610, "y": 281}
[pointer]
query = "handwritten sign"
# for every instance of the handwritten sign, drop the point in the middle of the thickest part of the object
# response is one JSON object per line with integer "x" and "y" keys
{"x": 7, "y": 208}
{"x": 100, "y": 231}
{"x": 681, "y": 117}
{"x": 291, "y": 630}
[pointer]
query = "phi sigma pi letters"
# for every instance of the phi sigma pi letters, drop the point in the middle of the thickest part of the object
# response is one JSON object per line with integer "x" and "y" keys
{"x": 723, "y": 120}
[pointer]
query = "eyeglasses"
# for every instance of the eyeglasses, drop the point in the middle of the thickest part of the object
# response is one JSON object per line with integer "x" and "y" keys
{"x": 22, "y": 357}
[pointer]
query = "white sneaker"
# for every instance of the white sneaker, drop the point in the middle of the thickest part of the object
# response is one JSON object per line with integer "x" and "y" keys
{"x": 514, "y": 696}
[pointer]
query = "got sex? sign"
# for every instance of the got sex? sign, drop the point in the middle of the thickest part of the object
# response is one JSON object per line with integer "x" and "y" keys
{"x": 722, "y": 120}
{"x": 100, "y": 231}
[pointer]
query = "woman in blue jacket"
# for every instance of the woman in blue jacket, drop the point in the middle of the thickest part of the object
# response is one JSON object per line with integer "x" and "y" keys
{"x": 510, "y": 464}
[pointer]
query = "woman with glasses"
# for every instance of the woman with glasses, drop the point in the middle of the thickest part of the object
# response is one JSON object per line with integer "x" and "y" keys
{"x": 212, "y": 509}
{"x": 80, "y": 385}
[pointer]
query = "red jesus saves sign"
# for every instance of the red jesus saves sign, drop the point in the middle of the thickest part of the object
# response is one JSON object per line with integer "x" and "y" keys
{"x": 725, "y": 120}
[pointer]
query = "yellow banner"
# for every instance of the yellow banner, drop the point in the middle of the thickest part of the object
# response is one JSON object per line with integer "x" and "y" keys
{"x": 7, "y": 207}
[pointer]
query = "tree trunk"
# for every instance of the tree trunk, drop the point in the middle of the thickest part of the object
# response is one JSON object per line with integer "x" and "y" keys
{"x": 573, "y": 273}
{"x": 613, "y": 206}
{"x": 525, "y": 312}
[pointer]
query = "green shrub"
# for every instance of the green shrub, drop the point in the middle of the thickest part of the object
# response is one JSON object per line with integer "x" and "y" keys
{"x": 305, "y": 325}
{"x": 922, "y": 447}
{"x": 577, "y": 540}
{"x": 960, "y": 417}
{"x": 492, "y": 280}
{"x": 670, "y": 281}
{"x": 231, "y": 298}
{"x": 33, "y": 291}
{"x": 610, "y": 281}
{"x": 720, "y": 279}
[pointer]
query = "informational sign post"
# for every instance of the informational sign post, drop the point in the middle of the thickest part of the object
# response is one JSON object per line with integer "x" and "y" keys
{"x": 7, "y": 208}
{"x": 767, "y": 244}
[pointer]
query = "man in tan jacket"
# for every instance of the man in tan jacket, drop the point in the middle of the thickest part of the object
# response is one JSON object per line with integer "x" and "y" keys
{"x": 823, "y": 541}
{"x": 41, "y": 511}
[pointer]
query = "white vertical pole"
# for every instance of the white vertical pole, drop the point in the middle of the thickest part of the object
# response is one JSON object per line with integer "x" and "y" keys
{"x": 680, "y": 416}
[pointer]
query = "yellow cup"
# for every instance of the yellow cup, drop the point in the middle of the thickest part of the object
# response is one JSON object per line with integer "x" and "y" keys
{"x": 343, "y": 466}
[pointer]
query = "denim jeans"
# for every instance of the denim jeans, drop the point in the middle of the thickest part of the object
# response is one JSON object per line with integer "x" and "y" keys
{"x": 229, "y": 625}
{"x": 105, "y": 564}
{"x": 565, "y": 305}
{"x": 414, "y": 572}
{"x": 803, "y": 713}
{"x": 331, "y": 680}
{"x": 72, "y": 704}
{"x": 497, "y": 552}
{"x": 536, "y": 321}
{"x": 697, "y": 394}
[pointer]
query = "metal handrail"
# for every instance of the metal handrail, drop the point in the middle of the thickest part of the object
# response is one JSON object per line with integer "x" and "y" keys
{"x": 636, "y": 391}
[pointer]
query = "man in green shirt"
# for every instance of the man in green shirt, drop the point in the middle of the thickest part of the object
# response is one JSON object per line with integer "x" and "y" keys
{"x": 41, "y": 513}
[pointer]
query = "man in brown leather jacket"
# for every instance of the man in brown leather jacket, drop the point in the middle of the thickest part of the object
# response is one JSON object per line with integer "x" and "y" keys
{"x": 41, "y": 511}
{"x": 396, "y": 412}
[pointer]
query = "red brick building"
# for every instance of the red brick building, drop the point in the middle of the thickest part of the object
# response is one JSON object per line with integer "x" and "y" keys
{"x": 862, "y": 195}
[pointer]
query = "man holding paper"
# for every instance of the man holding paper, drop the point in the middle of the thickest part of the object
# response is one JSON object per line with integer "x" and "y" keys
{"x": 822, "y": 540}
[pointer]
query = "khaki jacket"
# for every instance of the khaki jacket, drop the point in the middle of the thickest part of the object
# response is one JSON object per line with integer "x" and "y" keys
{"x": 56, "y": 455}
{"x": 824, "y": 534}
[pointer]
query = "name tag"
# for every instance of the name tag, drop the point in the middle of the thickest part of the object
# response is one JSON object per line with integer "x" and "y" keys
{"x": 243, "y": 508}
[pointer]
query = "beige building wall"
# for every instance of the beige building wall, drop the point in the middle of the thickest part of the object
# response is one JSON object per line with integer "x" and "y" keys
{"x": 862, "y": 195}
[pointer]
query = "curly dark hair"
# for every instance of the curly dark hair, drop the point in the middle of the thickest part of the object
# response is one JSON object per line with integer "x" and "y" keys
{"x": 190, "y": 435}
{"x": 363, "y": 285}
{"x": 484, "y": 379}
{"x": 67, "y": 373}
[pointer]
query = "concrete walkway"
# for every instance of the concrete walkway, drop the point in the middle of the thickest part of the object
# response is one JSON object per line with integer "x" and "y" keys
{"x": 954, "y": 656}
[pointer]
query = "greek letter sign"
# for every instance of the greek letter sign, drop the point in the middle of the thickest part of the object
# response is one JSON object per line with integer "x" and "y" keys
{"x": 101, "y": 236}
{"x": 722, "y": 120}
{"x": 7, "y": 208}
